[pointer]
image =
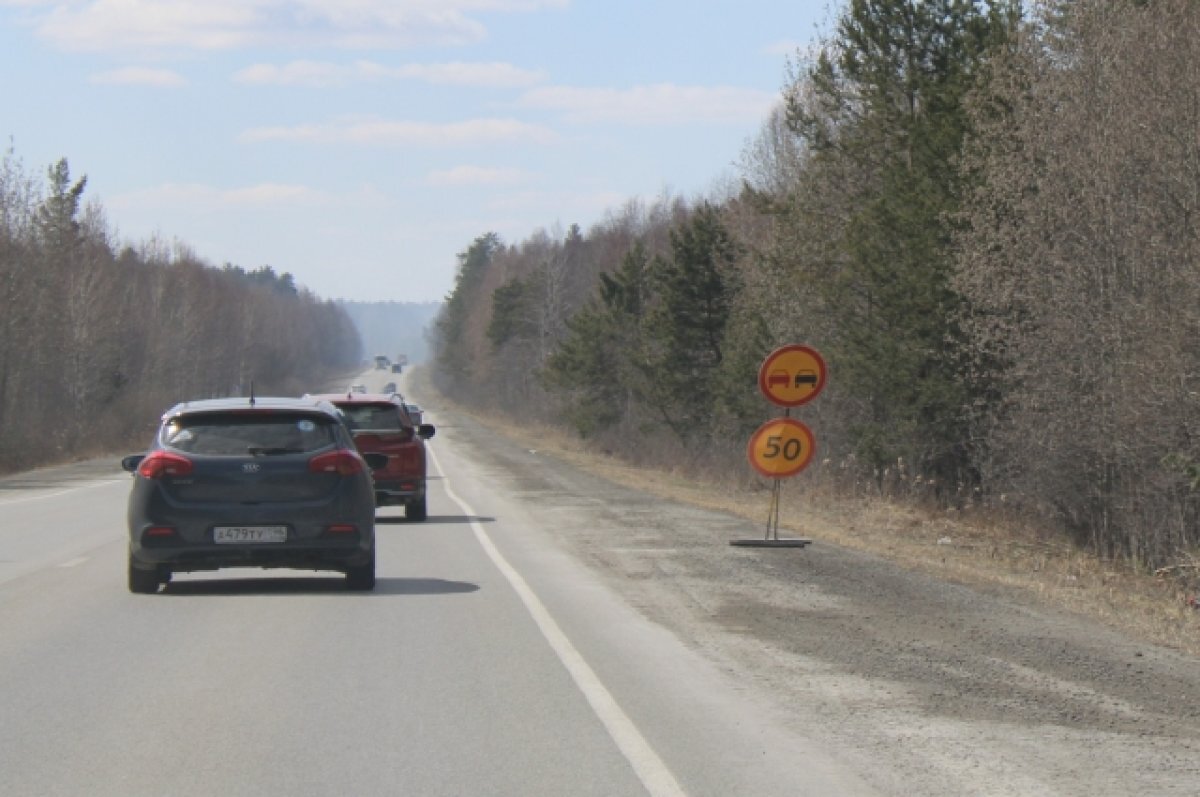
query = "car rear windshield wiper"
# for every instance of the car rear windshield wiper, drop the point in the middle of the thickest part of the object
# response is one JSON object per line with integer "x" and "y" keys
{"x": 257, "y": 451}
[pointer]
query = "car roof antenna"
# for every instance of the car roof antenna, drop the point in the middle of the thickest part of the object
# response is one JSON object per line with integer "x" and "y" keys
{"x": 251, "y": 392}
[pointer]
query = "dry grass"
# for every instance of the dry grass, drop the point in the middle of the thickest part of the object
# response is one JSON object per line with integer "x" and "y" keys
{"x": 977, "y": 549}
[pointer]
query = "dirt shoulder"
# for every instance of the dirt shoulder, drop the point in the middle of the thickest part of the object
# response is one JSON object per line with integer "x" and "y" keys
{"x": 914, "y": 645}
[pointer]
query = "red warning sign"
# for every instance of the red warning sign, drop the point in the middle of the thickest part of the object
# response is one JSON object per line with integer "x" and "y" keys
{"x": 792, "y": 375}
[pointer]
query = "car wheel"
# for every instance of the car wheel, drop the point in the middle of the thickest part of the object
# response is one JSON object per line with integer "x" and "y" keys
{"x": 362, "y": 578}
{"x": 142, "y": 582}
{"x": 415, "y": 509}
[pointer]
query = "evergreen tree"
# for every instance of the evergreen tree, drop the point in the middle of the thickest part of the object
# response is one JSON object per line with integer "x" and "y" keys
{"x": 887, "y": 95}
{"x": 595, "y": 368}
{"x": 451, "y": 344}
{"x": 513, "y": 312}
{"x": 57, "y": 219}
{"x": 695, "y": 291}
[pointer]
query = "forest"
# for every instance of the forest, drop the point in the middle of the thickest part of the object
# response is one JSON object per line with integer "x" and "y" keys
{"x": 982, "y": 212}
{"x": 98, "y": 337}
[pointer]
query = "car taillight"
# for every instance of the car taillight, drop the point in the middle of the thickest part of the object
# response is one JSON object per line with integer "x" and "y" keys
{"x": 342, "y": 528}
{"x": 164, "y": 463}
{"x": 342, "y": 461}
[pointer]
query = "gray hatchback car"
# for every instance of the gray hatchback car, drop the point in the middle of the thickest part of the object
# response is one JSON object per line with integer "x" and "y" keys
{"x": 266, "y": 482}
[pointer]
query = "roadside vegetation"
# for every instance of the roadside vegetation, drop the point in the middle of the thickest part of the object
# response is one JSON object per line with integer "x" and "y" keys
{"x": 98, "y": 337}
{"x": 984, "y": 215}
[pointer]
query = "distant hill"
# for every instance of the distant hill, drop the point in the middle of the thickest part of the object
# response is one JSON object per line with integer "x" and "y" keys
{"x": 393, "y": 328}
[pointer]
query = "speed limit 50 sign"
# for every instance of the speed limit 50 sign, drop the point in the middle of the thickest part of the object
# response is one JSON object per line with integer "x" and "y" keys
{"x": 780, "y": 448}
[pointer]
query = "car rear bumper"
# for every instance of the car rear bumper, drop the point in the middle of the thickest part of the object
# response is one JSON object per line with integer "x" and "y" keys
{"x": 388, "y": 493}
{"x": 323, "y": 554}
{"x": 327, "y": 535}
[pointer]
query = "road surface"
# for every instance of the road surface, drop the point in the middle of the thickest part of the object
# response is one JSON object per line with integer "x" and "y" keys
{"x": 485, "y": 663}
{"x": 548, "y": 632}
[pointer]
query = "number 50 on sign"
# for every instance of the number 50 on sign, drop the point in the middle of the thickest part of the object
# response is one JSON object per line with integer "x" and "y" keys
{"x": 780, "y": 448}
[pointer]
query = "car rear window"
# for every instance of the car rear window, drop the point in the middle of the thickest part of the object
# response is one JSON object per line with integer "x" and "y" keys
{"x": 376, "y": 417}
{"x": 253, "y": 433}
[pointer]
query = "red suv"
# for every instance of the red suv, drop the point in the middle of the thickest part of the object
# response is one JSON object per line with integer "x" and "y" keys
{"x": 381, "y": 424}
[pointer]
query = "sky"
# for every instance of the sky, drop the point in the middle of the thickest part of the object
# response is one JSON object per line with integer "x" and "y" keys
{"x": 361, "y": 145}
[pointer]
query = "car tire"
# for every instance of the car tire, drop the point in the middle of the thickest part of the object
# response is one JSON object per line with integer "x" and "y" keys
{"x": 362, "y": 578}
{"x": 416, "y": 509}
{"x": 143, "y": 582}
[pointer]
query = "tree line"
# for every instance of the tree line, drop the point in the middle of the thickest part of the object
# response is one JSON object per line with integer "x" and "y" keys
{"x": 982, "y": 212}
{"x": 97, "y": 338}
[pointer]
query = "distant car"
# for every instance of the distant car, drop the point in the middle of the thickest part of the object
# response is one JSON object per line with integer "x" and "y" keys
{"x": 382, "y": 425}
{"x": 390, "y": 387}
{"x": 356, "y": 388}
{"x": 416, "y": 413}
{"x": 266, "y": 482}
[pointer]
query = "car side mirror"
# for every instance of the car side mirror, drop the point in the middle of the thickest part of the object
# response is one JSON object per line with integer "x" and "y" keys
{"x": 131, "y": 462}
{"x": 426, "y": 430}
{"x": 376, "y": 461}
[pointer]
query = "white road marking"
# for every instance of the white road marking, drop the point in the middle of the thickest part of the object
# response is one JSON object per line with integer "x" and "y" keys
{"x": 649, "y": 768}
{"x": 78, "y": 560}
{"x": 60, "y": 492}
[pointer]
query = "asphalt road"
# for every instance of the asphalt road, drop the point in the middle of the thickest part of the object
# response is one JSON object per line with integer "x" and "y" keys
{"x": 551, "y": 632}
{"x": 488, "y": 661}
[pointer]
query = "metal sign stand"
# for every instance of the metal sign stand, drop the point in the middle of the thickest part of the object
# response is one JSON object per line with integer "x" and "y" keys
{"x": 772, "y": 540}
{"x": 789, "y": 376}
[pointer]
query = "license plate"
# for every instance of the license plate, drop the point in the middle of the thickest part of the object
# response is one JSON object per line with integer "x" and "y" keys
{"x": 249, "y": 534}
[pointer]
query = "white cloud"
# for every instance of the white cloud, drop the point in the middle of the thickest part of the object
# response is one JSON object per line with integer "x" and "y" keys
{"x": 320, "y": 74}
{"x": 208, "y": 198}
{"x": 122, "y": 25}
{"x": 393, "y": 133}
{"x": 494, "y": 75}
{"x": 663, "y": 103}
{"x": 297, "y": 73}
{"x": 139, "y": 76}
{"x": 475, "y": 175}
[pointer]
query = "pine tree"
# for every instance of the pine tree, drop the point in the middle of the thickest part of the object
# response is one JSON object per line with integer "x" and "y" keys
{"x": 451, "y": 345}
{"x": 595, "y": 369}
{"x": 888, "y": 97}
{"x": 695, "y": 292}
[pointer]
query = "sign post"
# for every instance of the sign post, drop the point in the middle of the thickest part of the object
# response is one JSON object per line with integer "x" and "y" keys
{"x": 782, "y": 447}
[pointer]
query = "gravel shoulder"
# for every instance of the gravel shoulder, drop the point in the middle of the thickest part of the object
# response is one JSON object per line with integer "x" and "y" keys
{"x": 926, "y": 686}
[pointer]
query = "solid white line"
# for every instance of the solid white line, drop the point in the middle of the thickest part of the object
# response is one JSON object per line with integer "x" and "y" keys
{"x": 649, "y": 768}
{"x": 60, "y": 492}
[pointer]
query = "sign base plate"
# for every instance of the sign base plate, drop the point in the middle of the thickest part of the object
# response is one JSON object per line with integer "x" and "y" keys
{"x": 794, "y": 542}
